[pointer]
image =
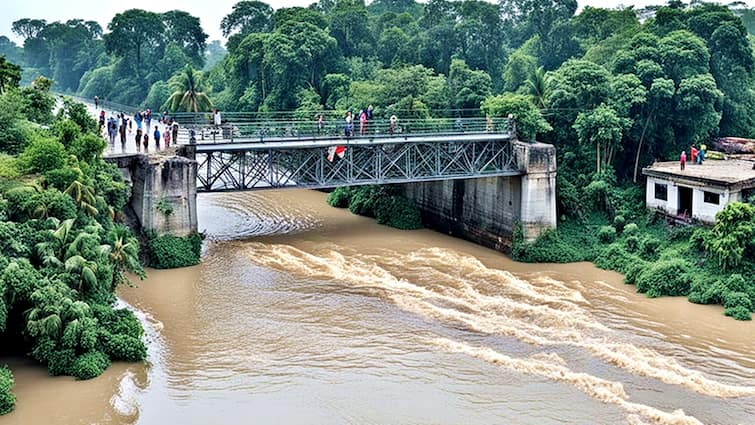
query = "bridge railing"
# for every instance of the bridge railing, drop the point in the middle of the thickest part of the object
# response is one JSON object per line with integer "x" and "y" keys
{"x": 267, "y": 129}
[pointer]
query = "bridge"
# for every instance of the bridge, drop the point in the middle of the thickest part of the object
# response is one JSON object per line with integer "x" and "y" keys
{"x": 469, "y": 173}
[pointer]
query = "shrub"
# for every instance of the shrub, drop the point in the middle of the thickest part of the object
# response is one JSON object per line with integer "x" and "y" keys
{"x": 618, "y": 223}
{"x": 616, "y": 258}
{"x": 87, "y": 147}
{"x": 170, "y": 252}
{"x": 737, "y": 299}
{"x": 8, "y": 168}
{"x": 706, "y": 290}
{"x": 66, "y": 131}
{"x": 549, "y": 247}
{"x": 125, "y": 347}
{"x": 649, "y": 248}
{"x": 665, "y": 278}
{"x": 633, "y": 271}
{"x": 698, "y": 237}
{"x": 120, "y": 321}
{"x": 90, "y": 365}
{"x": 732, "y": 235}
{"x": 631, "y": 229}
{"x": 43, "y": 155}
{"x": 339, "y": 198}
{"x": 632, "y": 243}
{"x": 606, "y": 234}
{"x": 738, "y": 313}
{"x": 7, "y": 399}
{"x": 398, "y": 212}
{"x": 62, "y": 178}
{"x": 362, "y": 201}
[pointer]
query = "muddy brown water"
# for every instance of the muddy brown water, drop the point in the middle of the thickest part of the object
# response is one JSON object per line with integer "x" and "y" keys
{"x": 305, "y": 314}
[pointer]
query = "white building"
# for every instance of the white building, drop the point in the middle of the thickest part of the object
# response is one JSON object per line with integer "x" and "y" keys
{"x": 699, "y": 191}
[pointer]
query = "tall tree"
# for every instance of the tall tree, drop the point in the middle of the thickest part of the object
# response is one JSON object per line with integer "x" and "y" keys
{"x": 188, "y": 93}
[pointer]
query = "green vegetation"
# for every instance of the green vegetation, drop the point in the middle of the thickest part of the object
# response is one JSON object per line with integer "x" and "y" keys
{"x": 662, "y": 260}
{"x": 61, "y": 253}
{"x": 7, "y": 399}
{"x": 380, "y": 202}
{"x": 170, "y": 252}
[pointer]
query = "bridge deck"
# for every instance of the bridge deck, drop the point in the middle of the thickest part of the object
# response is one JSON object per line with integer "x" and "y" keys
{"x": 252, "y": 144}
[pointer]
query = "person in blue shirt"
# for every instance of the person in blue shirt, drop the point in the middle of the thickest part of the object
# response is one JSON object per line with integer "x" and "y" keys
{"x": 157, "y": 137}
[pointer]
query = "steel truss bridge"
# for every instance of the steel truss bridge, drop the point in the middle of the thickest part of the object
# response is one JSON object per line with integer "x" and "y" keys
{"x": 314, "y": 163}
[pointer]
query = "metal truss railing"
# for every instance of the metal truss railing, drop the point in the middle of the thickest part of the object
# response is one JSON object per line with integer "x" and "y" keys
{"x": 281, "y": 165}
{"x": 244, "y": 129}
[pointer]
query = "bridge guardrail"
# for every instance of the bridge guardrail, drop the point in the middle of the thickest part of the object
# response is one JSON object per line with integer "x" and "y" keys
{"x": 229, "y": 131}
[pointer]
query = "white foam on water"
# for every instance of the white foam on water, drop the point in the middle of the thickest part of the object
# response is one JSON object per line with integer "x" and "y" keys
{"x": 459, "y": 290}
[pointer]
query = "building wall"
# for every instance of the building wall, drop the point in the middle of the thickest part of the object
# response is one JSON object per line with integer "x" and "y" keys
{"x": 701, "y": 210}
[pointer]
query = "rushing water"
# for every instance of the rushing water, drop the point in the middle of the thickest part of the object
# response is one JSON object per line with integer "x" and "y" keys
{"x": 302, "y": 313}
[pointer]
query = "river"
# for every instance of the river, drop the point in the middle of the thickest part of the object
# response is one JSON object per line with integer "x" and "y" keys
{"x": 305, "y": 314}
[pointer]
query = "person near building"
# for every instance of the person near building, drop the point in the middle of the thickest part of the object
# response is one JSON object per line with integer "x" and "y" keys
{"x": 683, "y": 159}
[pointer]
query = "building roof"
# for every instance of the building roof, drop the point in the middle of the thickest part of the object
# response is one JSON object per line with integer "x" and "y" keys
{"x": 733, "y": 174}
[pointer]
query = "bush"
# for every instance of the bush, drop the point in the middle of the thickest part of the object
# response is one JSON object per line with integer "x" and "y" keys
{"x": 606, "y": 234}
{"x": 7, "y": 399}
{"x": 120, "y": 321}
{"x": 170, "y": 252}
{"x": 398, "y": 212}
{"x": 362, "y": 201}
{"x": 90, "y": 365}
{"x": 42, "y": 155}
{"x": 633, "y": 271}
{"x": 707, "y": 290}
{"x": 632, "y": 243}
{"x": 62, "y": 178}
{"x": 669, "y": 277}
{"x": 738, "y": 313}
{"x": 649, "y": 248}
{"x": 125, "y": 348}
{"x": 549, "y": 247}
{"x": 731, "y": 237}
{"x": 87, "y": 147}
{"x": 339, "y": 198}
{"x": 737, "y": 299}
{"x": 698, "y": 237}
{"x": 631, "y": 229}
{"x": 616, "y": 258}
{"x": 618, "y": 223}
{"x": 8, "y": 168}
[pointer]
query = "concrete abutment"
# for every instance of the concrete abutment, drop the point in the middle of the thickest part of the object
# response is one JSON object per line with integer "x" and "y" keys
{"x": 485, "y": 210}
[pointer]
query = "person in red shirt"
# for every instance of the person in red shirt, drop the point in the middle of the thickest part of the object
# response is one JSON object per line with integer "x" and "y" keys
{"x": 692, "y": 154}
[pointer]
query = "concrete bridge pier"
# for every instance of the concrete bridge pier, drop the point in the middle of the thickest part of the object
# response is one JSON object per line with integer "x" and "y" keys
{"x": 485, "y": 210}
{"x": 163, "y": 192}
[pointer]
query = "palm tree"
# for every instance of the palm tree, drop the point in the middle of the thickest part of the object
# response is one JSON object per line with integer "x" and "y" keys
{"x": 187, "y": 92}
{"x": 537, "y": 85}
{"x": 53, "y": 251}
{"x": 122, "y": 252}
{"x": 85, "y": 269}
{"x": 84, "y": 197}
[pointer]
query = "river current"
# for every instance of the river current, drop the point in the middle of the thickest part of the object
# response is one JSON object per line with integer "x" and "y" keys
{"x": 305, "y": 314}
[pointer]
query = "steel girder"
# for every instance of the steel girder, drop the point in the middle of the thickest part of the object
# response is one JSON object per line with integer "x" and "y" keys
{"x": 309, "y": 167}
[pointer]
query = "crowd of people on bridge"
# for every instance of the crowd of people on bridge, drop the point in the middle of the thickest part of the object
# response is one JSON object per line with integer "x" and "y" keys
{"x": 120, "y": 127}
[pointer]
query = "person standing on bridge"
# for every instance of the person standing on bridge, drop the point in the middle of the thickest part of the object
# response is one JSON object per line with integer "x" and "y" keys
{"x": 146, "y": 141}
{"x": 347, "y": 125}
{"x": 138, "y": 120}
{"x": 174, "y": 130}
{"x": 138, "y": 139}
{"x": 320, "y": 124}
{"x": 112, "y": 130}
{"x": 148, "y": 118}
{"x": 122, "y": 132}
{"x": 156, "y": 135}
{"x": 216, "y": 118}
{"x": 96, "y": 103}
{"x": 362, "y": 123}
{"x": 392, "y": 123}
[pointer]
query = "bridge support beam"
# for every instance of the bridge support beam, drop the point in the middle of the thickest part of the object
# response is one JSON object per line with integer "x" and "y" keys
{"x": 485, "y": 210}
{"x": 163, "y": 192}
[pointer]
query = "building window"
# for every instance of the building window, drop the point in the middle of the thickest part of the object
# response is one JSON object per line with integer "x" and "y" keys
{"x": 711, "y": 198}
{"x": 660, "y": 192}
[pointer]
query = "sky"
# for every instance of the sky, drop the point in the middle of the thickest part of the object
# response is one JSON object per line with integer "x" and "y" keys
{"x": 210, "y": 12}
